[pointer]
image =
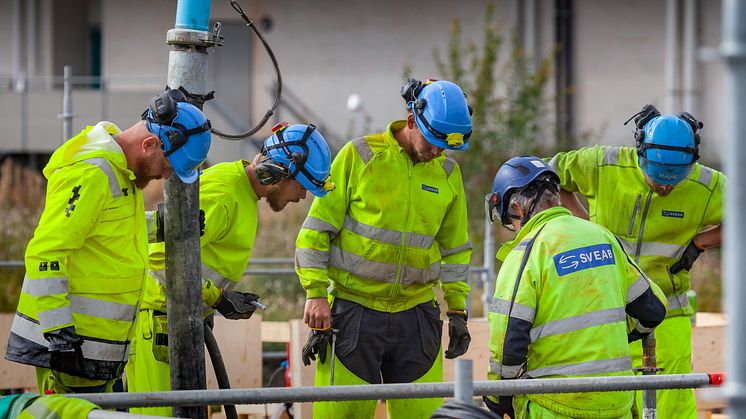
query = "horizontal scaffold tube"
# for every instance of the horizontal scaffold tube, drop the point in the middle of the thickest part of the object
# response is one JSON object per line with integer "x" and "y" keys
{"x": 392, "y": 391}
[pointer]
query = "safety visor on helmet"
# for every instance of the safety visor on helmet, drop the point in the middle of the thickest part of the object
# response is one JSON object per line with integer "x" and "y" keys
{"x": 665, "y": 174}
{"x": 492, "y": 206}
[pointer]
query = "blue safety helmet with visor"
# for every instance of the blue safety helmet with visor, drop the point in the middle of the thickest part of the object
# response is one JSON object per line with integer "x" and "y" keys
{"x": 297, "y": 152}
{"x": 520, "y": 174}
{"x": 183, "y": 129}
{"x": 441, "y": 111}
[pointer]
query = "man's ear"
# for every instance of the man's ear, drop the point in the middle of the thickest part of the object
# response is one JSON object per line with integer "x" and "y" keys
{"x": 411, "y": 123}
{"x": 151, "y": 142}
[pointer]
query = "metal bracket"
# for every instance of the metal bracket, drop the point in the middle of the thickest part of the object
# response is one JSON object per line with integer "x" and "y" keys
{"x": 217, "y": 38}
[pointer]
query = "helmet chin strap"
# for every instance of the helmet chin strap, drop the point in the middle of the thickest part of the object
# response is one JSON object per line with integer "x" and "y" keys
{"x": 542, "y": 187}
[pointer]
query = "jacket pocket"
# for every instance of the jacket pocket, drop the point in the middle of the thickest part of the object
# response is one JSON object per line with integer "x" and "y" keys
{"x": 431, "y": 329}
{"x": 160, "y": 337}
{"x": 346, "y": 317}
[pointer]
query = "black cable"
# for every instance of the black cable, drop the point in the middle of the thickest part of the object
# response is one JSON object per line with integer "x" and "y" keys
{"x": 278, "y": 90}
{"x": 220, "y": 373}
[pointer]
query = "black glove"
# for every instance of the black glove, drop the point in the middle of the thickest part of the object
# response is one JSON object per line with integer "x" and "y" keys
{"x": 691, "y": 253}
{"x": 504, "y": 407}
{"x": 458, "y": 334}
{"x": 65, "y": 354}
{"x": 236, "y": 305}
{"x": 316, "y": 345}
{"x": 160, "y": 223}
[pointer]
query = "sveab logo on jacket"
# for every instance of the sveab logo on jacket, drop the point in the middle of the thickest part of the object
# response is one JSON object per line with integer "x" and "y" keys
{"x": 429, "y": 188}
{"x": 583, "y": 258}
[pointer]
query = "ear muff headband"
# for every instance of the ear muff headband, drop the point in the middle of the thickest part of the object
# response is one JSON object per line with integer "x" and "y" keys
{"x": 164, "y": 110}
{"x": 298, "y": 158}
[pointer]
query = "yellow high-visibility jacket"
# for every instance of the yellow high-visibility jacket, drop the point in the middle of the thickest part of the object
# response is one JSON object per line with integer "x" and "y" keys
{"x": 231, "y": 211}
{"x": 389, "y": 232}
{"x": 566, "y": 308}
{"x": 86, "y": 262}
{"x": 34, "y": 406}
{"x": 655, "y": 230}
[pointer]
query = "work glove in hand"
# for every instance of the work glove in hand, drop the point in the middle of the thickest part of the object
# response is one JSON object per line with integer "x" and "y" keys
{"x": 504, "y": 407}
{"x": 458, "y": 334}
{"x": 160, "y": 222}
{"x": 65, "y": 354}
{"x": 236, "y": 305}
{"x": 316, "y": 345}
{"x": 691, "y": 253}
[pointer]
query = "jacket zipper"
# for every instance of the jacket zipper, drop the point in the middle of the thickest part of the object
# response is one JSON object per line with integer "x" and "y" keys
{"x": 400, "y": 261}
{"x": 638, "y": 249}
{"x": 634, "y": 215}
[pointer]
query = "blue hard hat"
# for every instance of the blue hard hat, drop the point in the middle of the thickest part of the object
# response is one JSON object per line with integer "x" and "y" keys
{"x": 668, "y": 151}
{"x": 304, "y": 152}
{"x": 514, "y": 175}
{"x": 443, "y": 115}
{"x": 186, "y": 138}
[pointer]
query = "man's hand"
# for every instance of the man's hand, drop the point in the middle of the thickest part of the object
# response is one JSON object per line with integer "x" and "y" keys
{"x": 316, "y": 345}
{"x": 236, "y": 305}
{"x": 160, "y": 223}
{"x": 65, "y": 354}
{"x": 458, "y": 334}
{"x": 691, "y": 253}
{"x": 317, "y": 314}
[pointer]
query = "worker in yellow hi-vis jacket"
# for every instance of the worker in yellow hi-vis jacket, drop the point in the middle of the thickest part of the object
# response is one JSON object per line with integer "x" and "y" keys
{"x": 294, "y": 160}
{"x": 567, "y": 299}
{"x": 665, "y": 209}
{"x": 86, "y": 262}
{"x": 393, "y": 229}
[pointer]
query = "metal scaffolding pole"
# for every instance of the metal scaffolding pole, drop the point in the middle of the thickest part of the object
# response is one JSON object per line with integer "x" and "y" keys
{"x": 187, "y": 67}
{"x": 733, "y": 50}
{"x": 396, "y": 391}
{"x": 464, "y": 387}
{"x": 67, "y": 104}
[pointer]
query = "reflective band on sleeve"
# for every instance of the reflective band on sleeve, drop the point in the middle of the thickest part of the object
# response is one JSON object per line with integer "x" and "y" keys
{"x": 56, "y": 317}
{"x": 104, "y": 309}
{"x": 159, "y": 275}
{"x": 581, "y": 321}
{"x": 219, "y": 280}
{"x": 677, "y": 301}
{"x": 454, "y": 273}
{"x": 611, "y": 155}
{"x": 41, "y": 287}
{"x": 363, "y": 149}
{"x": 150, "y": 222}
{"x": 654, "y": 249}
{"x": 39, "y": 410}
{"x": 100, "y": 349}
{"x": 637, "y": 288}
{"x": 520, "y": 311}
{"x": 505, "y": 371}
{"x": 317, "y": 224}
{"x": 105, "y": 166}
{"x": 620, "y": 364}
{"x": 311, "y": 258}
{"x": 553, "y": 163}
{"x": 459, "y": 249}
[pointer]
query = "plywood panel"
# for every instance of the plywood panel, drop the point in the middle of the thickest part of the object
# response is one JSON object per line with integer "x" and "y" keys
{"x": 13, "y": 375}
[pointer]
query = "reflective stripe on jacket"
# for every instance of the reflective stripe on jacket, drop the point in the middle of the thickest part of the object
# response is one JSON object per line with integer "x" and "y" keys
{"x": 390, "y": 231}
{"x": 655, "y": 230}
{"x": 231, "y": 211}
{"x": 86, "y": 262}
{"x": 569, "y": 313}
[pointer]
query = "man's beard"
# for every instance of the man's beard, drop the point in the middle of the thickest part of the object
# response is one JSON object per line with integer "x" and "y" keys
{"x": 275, "y": 203}
{"x": 142, "y": 182}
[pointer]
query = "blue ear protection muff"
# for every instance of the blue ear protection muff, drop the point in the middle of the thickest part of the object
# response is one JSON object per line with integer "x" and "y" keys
{"x": 647, "y": 114}
{"x": 164, "y": 110}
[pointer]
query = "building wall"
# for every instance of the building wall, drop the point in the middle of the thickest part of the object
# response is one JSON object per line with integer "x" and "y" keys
{"x": 328, "y": 50}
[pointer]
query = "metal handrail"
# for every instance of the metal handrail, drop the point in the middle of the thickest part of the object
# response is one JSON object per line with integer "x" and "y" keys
{"x": 396, "y": 391}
